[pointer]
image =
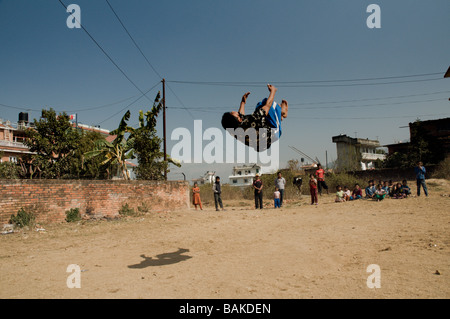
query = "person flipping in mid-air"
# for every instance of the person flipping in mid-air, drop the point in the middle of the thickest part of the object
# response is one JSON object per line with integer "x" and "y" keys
{"x": 267, "y": 116}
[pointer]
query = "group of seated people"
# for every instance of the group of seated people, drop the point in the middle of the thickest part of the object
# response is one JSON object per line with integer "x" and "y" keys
{"x": 378, "y": 192}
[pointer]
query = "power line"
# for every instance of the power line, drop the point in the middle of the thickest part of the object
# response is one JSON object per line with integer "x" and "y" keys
{"x": 107, "y": 55}
{"x": 369, "y": 117}
{"x": 132, "y": 39}
{"x": 370, "y": 99}
{"x": 145, "y": 57}
{"x": 121, "y": 110}
{"x": 213, "y": 109}
{"x": 296, "y": 84}
{"x": 320, "y": 81}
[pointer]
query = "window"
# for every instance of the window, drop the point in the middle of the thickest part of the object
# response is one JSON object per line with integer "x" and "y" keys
{"x": 245, "y": 180}
{"x": 13, "y": 159}
{"x": 234, "y": 181}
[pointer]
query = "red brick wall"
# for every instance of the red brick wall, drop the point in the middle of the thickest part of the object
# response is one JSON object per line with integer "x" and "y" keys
{"x": 50, "y": 199}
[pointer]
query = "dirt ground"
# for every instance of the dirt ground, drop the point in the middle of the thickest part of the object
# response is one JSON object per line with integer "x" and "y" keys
{"x": 299, "y": 251}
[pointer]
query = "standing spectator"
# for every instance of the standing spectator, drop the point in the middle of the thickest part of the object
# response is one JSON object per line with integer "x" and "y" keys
{"x": 280, "y": 183}
{"x": 258, "y": 185}
{"x": 196, "y": 196}
{"x": 217, "y": 188}
{"x": 420, "y": 177}
{"x": 320, "y": 173}
{"x": 276, "y": 198}
{"x": 313, "y": 189}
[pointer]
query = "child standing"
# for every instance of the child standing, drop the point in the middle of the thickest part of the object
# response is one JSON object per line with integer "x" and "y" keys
{"x": 276, "y": 198}
{"x": 339, "y": 195}
{"x": 313, "y": 189}
{"x": 196, "y": 196}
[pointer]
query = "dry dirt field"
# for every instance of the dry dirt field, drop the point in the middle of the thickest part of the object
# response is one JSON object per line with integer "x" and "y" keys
{"x": 299, "y": 251}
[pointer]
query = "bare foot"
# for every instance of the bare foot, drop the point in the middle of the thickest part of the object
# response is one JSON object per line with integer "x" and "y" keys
{"x": 284, "y": 109}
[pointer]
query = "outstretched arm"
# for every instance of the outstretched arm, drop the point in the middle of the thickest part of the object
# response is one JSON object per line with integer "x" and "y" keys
{"x": 270, "y": 99}
{"x": 243, "y": 101}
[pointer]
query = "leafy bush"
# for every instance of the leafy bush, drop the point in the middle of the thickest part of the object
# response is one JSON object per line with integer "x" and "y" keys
{"x": 126, "y": 210}
{"x": 443, "y": 169}
{"x": 144, "y": 208}
{"x": 73, "y": 215}
{"x": 23, "y": 218}
{"x": 9, "y": 170}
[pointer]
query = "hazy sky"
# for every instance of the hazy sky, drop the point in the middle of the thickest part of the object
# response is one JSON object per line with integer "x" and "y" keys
{"x": 308, "y": 49}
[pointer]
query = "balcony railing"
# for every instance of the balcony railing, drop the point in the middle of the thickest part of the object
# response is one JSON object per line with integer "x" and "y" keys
{"x": 373, "y": 156}
{"x": 12, "y": 144}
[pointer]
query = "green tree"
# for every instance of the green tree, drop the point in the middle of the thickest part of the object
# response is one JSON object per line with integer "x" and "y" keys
{"x": 147, "y": 145}
{"x": 54, "y": 142}
{"x": 9, "y": 170}
{"x": 88, "y": 168}
{"x": 115, "y": 154}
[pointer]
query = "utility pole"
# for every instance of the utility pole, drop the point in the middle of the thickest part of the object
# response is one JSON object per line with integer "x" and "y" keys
{"x": 164, "y": 126}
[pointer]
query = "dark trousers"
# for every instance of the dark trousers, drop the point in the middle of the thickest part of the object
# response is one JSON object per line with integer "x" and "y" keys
{"x": 218, "y": 201}
{"x": 421, "y": 182}
{"x": 281, "y": 196}
{"x": 322, "y": 184}
{"x": 258, "y": 200}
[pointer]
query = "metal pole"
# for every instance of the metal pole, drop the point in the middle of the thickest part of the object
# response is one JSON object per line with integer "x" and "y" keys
{"x": 164, "y": 126}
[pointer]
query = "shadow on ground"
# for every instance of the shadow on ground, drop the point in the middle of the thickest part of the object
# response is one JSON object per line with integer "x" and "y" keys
{"x": 162, "y": 259}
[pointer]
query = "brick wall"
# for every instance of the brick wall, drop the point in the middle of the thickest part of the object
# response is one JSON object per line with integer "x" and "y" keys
{"x": 50, "y": 199}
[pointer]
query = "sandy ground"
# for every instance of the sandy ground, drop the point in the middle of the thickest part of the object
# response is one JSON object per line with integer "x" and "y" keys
{"x": 299, "y": 251}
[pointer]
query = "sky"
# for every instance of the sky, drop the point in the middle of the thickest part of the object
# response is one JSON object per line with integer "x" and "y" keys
{"x": 338, "y": 75}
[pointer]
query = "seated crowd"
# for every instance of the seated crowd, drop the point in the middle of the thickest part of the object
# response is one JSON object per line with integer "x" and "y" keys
{"x": 378, "y": 192}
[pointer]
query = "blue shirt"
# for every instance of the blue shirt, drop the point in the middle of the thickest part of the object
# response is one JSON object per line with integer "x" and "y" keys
{"x": 370, "y": 190}
{"x": 420, "y": 173}
{"x": 274, "y": 116}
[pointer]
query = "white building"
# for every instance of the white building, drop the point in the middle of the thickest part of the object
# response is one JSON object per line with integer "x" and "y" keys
{"x": 356, "y": 153}
{"x": 208, "y": 178}
{"x": 244, "y": 175}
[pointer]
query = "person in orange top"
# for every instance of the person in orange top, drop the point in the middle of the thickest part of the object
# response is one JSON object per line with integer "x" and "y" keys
{"x": 320, "y": 173}
{"x": 196, "y": 196}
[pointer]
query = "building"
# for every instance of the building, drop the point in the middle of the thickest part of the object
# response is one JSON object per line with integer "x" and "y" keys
{"x": 12, "y": 136}
{"x": 11, "y": 142}
{"x": 244, "y": 175}
{"x": 208, "y": 178}
{"x": 356, "y": 153}
{"x": 438, "y": 129}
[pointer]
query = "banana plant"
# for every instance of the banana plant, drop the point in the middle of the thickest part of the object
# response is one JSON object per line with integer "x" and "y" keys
{"x": 117, "y": 152}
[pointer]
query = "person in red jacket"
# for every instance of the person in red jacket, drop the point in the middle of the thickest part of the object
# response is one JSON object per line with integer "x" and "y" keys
{"x": 313, "y": 189}
{"x": 320, "y": 173}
